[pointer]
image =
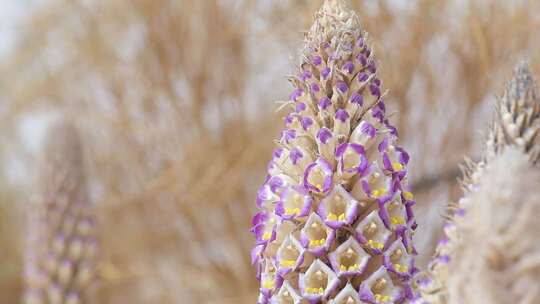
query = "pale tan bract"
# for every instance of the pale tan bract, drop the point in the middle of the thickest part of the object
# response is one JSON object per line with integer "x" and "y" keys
{"x": 490, "y": 253}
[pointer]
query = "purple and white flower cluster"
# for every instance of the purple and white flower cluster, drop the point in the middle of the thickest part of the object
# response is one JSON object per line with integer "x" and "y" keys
{"x": 60, "y": 261}
{"x": 335, "y": 218}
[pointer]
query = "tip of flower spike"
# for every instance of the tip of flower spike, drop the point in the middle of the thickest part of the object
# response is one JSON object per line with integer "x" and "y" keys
{"x": 522, "y": 82}
{"x": 335, "y": 6}
{"x": 517, "y": 120}
{"x": 62, "y": 149}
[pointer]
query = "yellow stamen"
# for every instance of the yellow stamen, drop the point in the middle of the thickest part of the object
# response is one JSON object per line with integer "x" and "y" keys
{"x": 382, "y": 299}
{"x": 268, "y": 284}
{"x": 397, "y": 166}
{"x": 292, "y": 211}
{"x": 267, "y": 236}
{"x": 331, "y": 217}
{"x": 375, "y": 245}
{"x": 378, "y": 192}
{"x": 341, "y": 217}
{"x": 287, "y": 263}
{"x": 315, "y": 290}
{"x": 353, "y": 267}
{"x": 401, "y": 268}
{"x": 408, "y": 195}
{"x": 343, "y": 268}
{"x": 397, "y": 220}
{"x": 314, "y": 243}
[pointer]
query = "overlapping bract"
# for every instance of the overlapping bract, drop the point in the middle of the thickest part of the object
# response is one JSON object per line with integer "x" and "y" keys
{"x": 496, "y": 190}
{"x": 61, "y": 252}
{"x": 335, "y": 217}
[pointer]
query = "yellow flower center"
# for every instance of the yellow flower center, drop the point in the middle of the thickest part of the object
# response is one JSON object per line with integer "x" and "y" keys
{"x": 315, "y": 290}
{"x": 375, "y": 245}
{"x": 397, "y": 166}
{"x": 397, "y": 220}
{"x": 408, "y": 195}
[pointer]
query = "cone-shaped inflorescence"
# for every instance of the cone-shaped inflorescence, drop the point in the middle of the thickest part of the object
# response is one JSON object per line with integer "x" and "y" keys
{"x": 485, "y": 204}
{"x": 517, "y": 120}
{"x": 61, "y": 252}
{"x": 335, "y": 217}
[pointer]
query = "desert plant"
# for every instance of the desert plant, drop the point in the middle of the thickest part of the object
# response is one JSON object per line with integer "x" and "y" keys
{"x": 335, "y": 222}
{"x": 60, "y": 255}
{"x": 490, "y": 253}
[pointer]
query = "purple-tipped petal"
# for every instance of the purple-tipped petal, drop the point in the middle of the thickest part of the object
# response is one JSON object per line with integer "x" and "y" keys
{"x": 318, "y": 176}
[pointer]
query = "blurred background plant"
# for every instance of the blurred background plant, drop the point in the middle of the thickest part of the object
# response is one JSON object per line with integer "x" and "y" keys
{"x": 175, "y": 103}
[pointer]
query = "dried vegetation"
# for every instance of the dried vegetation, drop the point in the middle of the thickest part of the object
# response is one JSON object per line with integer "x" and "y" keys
{"x": 174, "y": 100}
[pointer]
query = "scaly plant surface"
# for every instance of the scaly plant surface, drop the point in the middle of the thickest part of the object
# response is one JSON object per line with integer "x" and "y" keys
{"x": 335, "y": 222}
{"x": 490, "y": 244}
{"x": 145, "y": 80}
{"x": 61, "y": 252}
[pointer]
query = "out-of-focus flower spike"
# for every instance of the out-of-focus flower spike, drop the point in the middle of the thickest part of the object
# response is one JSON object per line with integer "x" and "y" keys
{"x": 517, "y": 117}
{"x": 59, "y": 266}
{"x": 333, "y": 210}
{"x": 497, "y": 190}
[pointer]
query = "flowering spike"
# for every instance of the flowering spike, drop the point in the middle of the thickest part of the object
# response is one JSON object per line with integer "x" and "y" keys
{"x": 335, "y": 214}
{"x": 490, "y": 233}
{"x": 59, "y": 265}
{"x": 517, "y": 118}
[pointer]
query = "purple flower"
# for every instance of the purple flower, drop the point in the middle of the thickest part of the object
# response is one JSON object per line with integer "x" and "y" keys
{"x": 318, "y": 176}
{"x": 289, "y": 256}
{"x": 342, "y": 86}
{"x": 379, "y": 289}
{"x": 295, "y": 202}
{"x": 315, "y": 236}
{"x": 318, "y": 282}
{"x": 351, "y": 158}
{"x": 317, "y": 60}
{"x": 357, "y": 99}
{"x": 372, "y": 233}
{"x": 296, "y": 94}
{"x": 324, "y": 103}
{"x": 398, "y": 260}
{"x": 338, "y": 208}
{"x": 349, "y": 259}
{"x": 349, "y": 67}
{"x": 325, "y": 72}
